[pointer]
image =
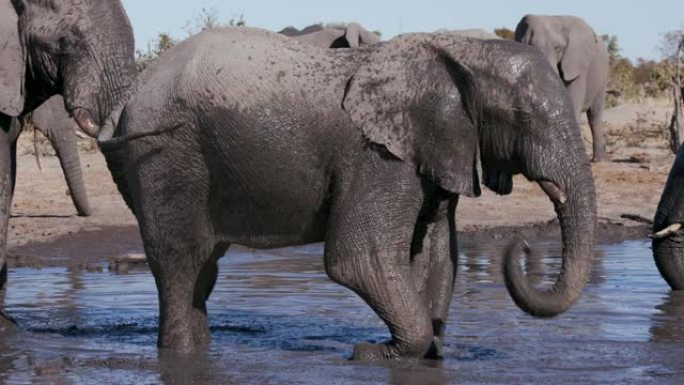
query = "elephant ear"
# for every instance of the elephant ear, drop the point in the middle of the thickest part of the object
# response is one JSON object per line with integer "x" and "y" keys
{"x": 356, "y": 36}
{"x": 413, "y": 98}
{"x": 12, "y": 62}
{"x": 579, "y": 50}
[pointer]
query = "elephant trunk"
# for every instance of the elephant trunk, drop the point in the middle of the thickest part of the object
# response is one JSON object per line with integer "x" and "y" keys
{"x": 66, "y": 149}
{"x": 576, "y": 210}
{"x": 669, "y": 258}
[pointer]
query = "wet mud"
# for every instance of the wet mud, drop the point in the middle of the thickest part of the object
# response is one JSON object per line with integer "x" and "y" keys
{"x": 276, "y": 318}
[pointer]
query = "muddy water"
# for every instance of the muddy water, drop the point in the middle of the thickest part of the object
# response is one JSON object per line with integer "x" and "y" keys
{"x": 276, "y": 319}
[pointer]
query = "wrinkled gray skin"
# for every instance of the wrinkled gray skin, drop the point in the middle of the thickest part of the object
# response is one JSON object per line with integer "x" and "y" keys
{"x": 82, "y": 50}
{"x": 241, "y": 136}
{"x": 352, "y": 36}
{"x": 581, "y": 60}
{"x": 669, "y": 251}
{"x": 55, "y": 123}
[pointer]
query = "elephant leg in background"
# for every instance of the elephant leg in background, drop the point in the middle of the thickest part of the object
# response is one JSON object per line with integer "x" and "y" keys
{"x": 373, "y": 260}
{"x": 434, "y": 265}
{"x": 595, "y": 118}
{"x": 577, "y": 90}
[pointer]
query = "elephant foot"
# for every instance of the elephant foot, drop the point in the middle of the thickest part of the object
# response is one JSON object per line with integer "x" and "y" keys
{"x": 436, "y": 351}
{"x": 7, "y": 323}
{"x": 373, "y": 352}
{"x": 388, "y": 351}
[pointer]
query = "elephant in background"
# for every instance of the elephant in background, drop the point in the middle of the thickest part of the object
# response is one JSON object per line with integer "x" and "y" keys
{"x": 83, "y": 50}
{"x": 475, "y": 33}
{"x": 366, "y": 150}
{"x": 352, "y": 36}
{"x": 668, "y": 238}
{"x": 580, "y": 58}
{"x": 55, "y": 123}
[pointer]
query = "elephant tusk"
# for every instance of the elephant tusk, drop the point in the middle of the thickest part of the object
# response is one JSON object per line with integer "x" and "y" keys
{"x": 666, "y": 232}
{"x": 85, "y": 122}
{"x": 553, "y": 191}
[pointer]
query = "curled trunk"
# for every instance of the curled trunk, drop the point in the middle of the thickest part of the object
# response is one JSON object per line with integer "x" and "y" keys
{"x": 577, "y": 217}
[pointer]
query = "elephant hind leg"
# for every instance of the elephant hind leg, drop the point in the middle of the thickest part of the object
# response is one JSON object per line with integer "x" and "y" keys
{"x": 595, "y": 117}
{"x": 185, "y": 280}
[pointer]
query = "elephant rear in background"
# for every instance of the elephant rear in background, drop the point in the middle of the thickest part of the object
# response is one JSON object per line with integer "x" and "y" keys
{"x": 353, "y": 35}
{"x": 243, "y": 136}
{"x": 580, "y": 58}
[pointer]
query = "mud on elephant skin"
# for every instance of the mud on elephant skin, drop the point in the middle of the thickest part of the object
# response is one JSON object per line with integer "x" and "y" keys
{"x": 367, "y": 150}
{"x": 580, "y": 58}
{"x": 353, "y": 35}
{"x": 668, "y": 238}
{"x": 83, "y": 50}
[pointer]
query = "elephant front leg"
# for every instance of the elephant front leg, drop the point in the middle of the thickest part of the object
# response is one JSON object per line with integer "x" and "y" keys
{"x": 368, "y": 251}
{"x": 381, "y": 279}
{"x": 434, "y": 265}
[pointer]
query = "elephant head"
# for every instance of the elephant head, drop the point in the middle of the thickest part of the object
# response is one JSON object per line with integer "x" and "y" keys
{"x": 668, "y": 239}
{"x": 437, "y": 101}
{"x": 82, "y": 50}
{"x": 568, "y": 42}
{"x": 53, "y": 121}
{"x": 353, "y": 35}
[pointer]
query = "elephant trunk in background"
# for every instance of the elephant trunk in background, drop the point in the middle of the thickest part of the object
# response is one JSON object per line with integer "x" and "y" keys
{"x": 668, "y": 240}
{"x": 67, "y": 152}
{"x": 53, "y": 121}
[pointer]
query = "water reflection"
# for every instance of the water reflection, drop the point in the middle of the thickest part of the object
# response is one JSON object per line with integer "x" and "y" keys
{"x": 276, "y": 318}
{"x": 667, "y": 323}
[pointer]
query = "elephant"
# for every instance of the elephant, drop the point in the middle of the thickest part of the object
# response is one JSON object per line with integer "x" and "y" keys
{"x": 474, "y": 33}
{"x": 83, "y": 50}
{"x": 55, "y": 123}
{"x": 270, "y": 144}
{"x": 580, "y": 58}
{"x": 668, "y": 249}
{"x": 352, "y": 36}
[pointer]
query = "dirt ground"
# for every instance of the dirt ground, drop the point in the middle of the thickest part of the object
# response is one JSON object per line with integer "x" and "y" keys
{"x": 44, "y": 224}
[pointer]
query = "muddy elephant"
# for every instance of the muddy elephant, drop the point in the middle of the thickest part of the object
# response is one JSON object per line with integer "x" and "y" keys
{"x": 580, "y": 58}
{"x": 270, "y": 144}
{"x": 55, "y": 123}
{"x": 668, "y": 239}
{"x": 353, "y": 35}
{"x": 82, "y": 50}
